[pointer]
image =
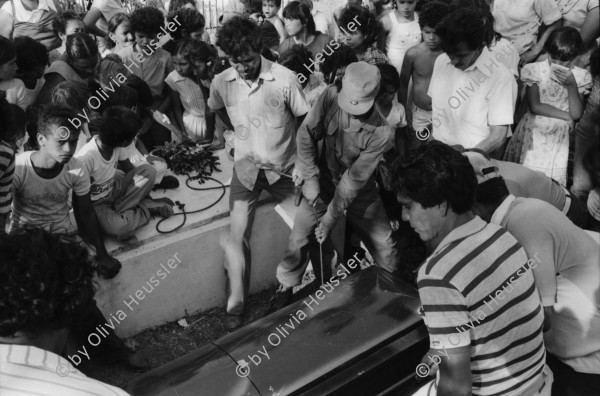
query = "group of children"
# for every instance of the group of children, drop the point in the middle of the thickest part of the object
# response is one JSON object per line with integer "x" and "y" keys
{"x": 154, "y": 72}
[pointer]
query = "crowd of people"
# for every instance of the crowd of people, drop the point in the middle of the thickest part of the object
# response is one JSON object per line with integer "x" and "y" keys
{"x": 473, "y": 124}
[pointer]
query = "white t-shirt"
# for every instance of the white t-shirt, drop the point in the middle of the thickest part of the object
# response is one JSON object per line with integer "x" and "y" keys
{"x": 102, "y": 172}
{"x": 397, "y": 116}
{"x": 465, "y": 103}
{"x": 23, "y": 15}
{"x": 108, "y": 8}
{"x": 519, "y": 20}
{"x": 574, "y": 12}
{"x": 15, "y": 92}
{"x": 45, "y": 202}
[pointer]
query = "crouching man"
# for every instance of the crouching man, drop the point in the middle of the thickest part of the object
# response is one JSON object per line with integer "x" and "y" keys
{"x": 480, "y": 303}
{"x": 567, "y": 275}
{"x": 355, "y": 136}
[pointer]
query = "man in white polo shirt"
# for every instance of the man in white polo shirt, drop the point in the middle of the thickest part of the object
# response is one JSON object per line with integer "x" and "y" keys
{"x": 473, "y": 95}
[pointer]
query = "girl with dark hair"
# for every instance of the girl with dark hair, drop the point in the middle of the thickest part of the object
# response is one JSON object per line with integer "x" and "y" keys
{"x": 555, "y": 92}
{"x": 76, "y": 64}
{"x": 14, "y": 88}
{"x": 189, "y": 97}
{"x": 363, "y": 39}
{"x": 119, "y": 33}
{"x": 30, "y": 18}
{"x": 300, "y": 26}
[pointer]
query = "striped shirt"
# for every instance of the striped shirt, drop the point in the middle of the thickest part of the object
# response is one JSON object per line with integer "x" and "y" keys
{"x": 477, "y": 290}
{"x": 7, "y": 168}
{"x": 27, "y": 370}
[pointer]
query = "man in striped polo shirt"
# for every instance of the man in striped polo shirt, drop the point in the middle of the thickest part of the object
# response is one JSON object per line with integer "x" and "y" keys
{"x": 479, "y": 299}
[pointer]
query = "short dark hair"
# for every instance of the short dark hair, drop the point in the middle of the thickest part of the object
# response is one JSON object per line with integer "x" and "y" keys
{"x": 297, "y": 10}
{"x": 59, "y": 23}
{"x": 483, "y": 7}
{"x": 118, "y": 126}
{"x": 147, "y": 20}
{"x": 7, "y": 50}
{"x": 194, "y": 50}
{"x": 277, "y": 2}
{"x": 81, "y": 46}
{"x": 432, "y": 13}
{"x": 239, "y": 35}
{"x": 252, "y": 6}
{"x": 177, "y": 5}
{"x": 461, "y": 25}
{"x": 191, "y": 20}
{"x": 434, "y": 173}
{"x": 367, "y": 23}
{"x": 295, "y": 58}
{"x": 389, "y": 75}
{"x": 30, "y": 54}
{"x": 109, "y": 68}
{"x": 54, "y": 116}
{"x": 491, "y": 191}
{"x": 47, "y": 280}
{"x": 116, "y": 21}
{"x": 564, "y": 44}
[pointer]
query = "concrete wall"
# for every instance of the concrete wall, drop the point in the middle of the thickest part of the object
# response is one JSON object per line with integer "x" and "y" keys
{"x": 191, "y": 277}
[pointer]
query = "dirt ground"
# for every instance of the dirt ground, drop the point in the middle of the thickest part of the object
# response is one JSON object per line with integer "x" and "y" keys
{"x": 168, "y": 342}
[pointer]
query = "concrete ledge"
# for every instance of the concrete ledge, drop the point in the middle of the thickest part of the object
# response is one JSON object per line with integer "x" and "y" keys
{"x": 148, "y": 292}
{"x": 183, "y": 273}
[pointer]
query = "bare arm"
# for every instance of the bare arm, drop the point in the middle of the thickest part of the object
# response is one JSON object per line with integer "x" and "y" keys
{"x": 543, "y": 109}
{"x": 455, "y": 373}
{"x": 222, "y": 113}
{"x": 177, "y": 109}
{"x": 6, "y": 24}
{"x": 91, "y": 17}
{"x": 591, "y": 27}
{"x": 88, "y": 223}
{"x": 576, "y": 104}
{"x": 280, "y": 29}
{"x": 126, "y": 166}
{"x": 386, "y": 23}
{"x": 498, "y": 134}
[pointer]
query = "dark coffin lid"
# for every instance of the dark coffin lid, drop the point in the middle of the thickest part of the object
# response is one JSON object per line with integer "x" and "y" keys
{"x": 363, "y": 313}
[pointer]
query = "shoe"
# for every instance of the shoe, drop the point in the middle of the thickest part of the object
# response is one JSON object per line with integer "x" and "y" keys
{"x": 135, "y": 362}
{"x": 233, "y": 321}
{"x": 162, "y": 207}
{"x": 168, "y": 182}
{"x": 282, "y": 298}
